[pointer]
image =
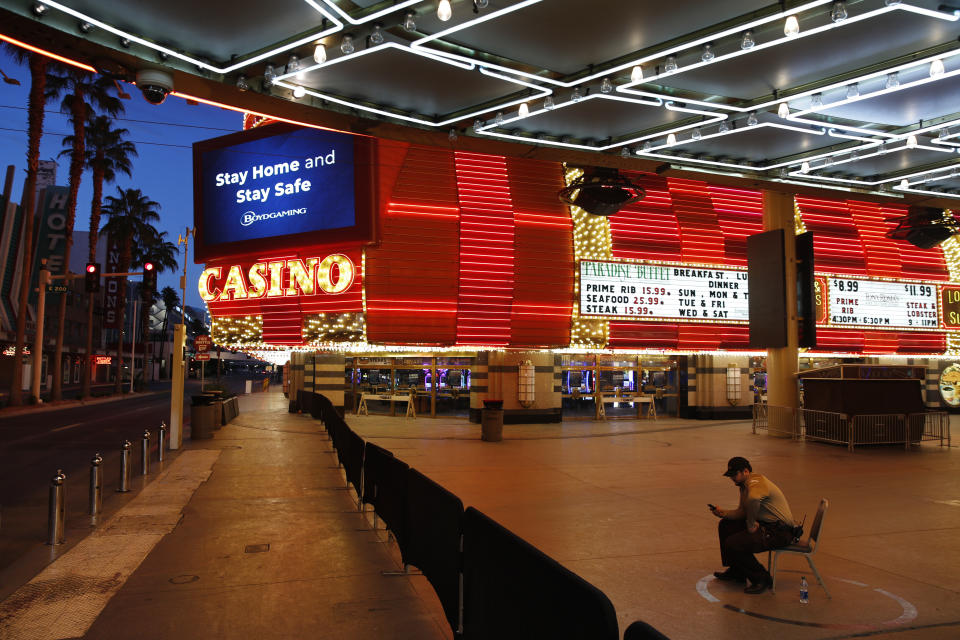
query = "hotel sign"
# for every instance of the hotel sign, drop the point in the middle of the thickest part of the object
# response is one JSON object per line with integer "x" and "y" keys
{"x": 637, "y": 291}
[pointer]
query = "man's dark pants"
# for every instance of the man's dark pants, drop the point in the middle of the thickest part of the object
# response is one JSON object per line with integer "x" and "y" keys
{"x": 738, "y": 546}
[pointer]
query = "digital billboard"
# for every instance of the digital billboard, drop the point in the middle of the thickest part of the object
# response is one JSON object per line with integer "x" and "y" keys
{"x": 281, "y": 187}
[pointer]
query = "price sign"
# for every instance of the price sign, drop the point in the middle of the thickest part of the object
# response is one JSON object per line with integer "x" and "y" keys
{"x": 882, "y": 305}
{"x": 656, "y": 292}
{"x": 202, "y": 343}
{"x": 202, "y": 356}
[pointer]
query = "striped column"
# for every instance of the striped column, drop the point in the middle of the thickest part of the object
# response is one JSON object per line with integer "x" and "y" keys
{"x": 329, "y": 377}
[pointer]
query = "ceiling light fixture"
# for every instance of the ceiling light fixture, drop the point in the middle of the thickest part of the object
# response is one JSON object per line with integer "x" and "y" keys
{"x": 444, "y": 10}
{"x": 38, "y": 9}
{"x": 936, "y": 68}
{"x": 838, "y": 13}
{"x": 647, "y": 145}
{"x": 671, "y": 139}
{"x": 816, "y": 101}
{"x": 477, "y": 125}
{"x": 85, "y": 27}
{"x": 783, "y": 110}
{"x": 911, "y": 141}
{"x": 548, "y": 103}
{"x": 269, "y": 74}
{"x": 242, "y": 83}
{"x": 670, "y": 65}
{"x": 293, "y": 64}
{"x": 376, "y": 36}
{"x": 904, "y": 184}
{"x": 625, "y": 152}
{"x": 606, "y": 86}
{"x": 724, "y": 127}
{"x": 452, "y": 136}
{"x": 943, "y": 134}
{"x": 481, "y": 4}
{"x": 576, "y": 96}
{"x": 791, "y": 27}
{"x": 893, "y": 80}
{"x": 601, "y": 191}
{"x": 707, "y": 54}
{"x": 320, "y": 53}
{"x": 498, "y": 119}
{"x": 636, "y": 74}
{"x": 410, "y": 21}
{"x": 853, "y": 90}
{"x": 524, "y": 110}
{"x": 346, "y": 45}
{"x": 752, "y": 119}
{"x": 747, "y": 41}
{"x": 696, "y": 134}
{"x": 805, "y": 167}
{"x": 299, "y": 92}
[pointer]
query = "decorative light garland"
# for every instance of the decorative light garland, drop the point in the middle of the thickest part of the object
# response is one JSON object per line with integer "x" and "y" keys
{"x": 350, "y": 328}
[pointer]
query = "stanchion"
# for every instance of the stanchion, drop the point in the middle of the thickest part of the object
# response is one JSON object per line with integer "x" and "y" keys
{"x": 145, "y": 453}
{"x": 96, "y": 484}
{"x": 57, "y": 510}
{"x": 125, "y": 467}
{"x": 162, "y": 432}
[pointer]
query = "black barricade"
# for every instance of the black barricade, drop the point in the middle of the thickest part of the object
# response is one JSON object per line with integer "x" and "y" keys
{"x": 306, "y": 402}
{"x": 352, "y": 458}
{"x": 388, "y": 495}
{"x": 317, "y": 406}
{"x": 513, "y": 590}
{"x": 433, "y": 523}
{"x": 300, "y": 394}
{"x": 640, "y": 630}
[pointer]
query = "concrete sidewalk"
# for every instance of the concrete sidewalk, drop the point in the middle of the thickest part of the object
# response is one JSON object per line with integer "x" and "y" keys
{"x": 271, "y": 545}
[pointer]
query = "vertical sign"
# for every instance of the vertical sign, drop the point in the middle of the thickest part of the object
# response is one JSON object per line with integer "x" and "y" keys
{"x": 52, "y": 237}
{"x": 950, "y": 306}
{"x": 114, "y": 298}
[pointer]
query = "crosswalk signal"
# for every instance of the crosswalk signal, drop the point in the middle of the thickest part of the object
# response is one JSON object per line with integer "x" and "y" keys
{"x": 149, "y": 281}
{"x": 92, "y": 277}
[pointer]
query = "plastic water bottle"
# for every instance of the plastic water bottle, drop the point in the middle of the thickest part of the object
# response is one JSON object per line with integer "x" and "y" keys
{"x": 804, "y": 599}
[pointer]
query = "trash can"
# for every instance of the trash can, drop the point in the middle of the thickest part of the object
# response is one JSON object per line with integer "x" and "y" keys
{"x": 201, "y": 418}
{"x": 491, "y": 421}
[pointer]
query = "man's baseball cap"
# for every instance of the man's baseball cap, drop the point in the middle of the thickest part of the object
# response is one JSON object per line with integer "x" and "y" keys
{"x": 735, "y": 464}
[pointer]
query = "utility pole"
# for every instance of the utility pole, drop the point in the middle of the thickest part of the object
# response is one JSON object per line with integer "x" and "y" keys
{"x": 38, "y": 334}
{"x": 179, "y": 345}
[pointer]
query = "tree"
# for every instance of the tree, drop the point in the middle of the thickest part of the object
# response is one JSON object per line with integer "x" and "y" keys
{"x": 108, "y": 153}
{"x": 35, "y": 113}
{"x": 130, "y": 216}
{"x": 81, "y": 94}
{"x": 171, "y": 299}
{"x": 153, "y": 246}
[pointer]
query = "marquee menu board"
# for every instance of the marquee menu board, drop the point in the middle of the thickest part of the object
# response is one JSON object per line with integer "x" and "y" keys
{"x": 882, "y": 304}
{"x": 663, "y": 292}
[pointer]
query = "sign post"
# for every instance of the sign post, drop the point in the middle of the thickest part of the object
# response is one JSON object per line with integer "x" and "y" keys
{"x": 202, "y": 345}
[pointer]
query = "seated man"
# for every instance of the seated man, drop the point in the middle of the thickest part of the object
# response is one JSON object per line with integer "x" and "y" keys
{"x": 762, "y": 521}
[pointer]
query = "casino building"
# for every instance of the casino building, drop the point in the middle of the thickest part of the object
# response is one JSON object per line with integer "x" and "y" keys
{"x": 392, "y": 269}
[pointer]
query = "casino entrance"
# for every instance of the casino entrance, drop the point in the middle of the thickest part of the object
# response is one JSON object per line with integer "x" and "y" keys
{"x": 626, "y": 386}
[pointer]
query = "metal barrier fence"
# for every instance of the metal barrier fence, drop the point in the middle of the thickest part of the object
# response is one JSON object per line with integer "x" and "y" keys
{"x": 839, "y": 428}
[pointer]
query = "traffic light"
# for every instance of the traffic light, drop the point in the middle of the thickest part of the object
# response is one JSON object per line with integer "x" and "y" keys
{"x": 92, "y": 277}
{"x": 149, "y": 281}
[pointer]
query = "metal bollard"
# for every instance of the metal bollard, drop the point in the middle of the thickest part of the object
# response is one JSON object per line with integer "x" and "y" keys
{"x": 163, "y": 434}
{"x": 96, "y": 484}
{"x": 125, "y": 467}
{"x": 145, "y": 453}
{"x": 57, "y": 512}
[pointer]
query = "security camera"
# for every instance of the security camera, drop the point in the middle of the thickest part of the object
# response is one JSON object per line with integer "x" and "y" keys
{"x": 155, "y": 85}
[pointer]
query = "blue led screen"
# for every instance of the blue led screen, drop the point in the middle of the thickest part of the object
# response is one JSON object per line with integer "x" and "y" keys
{"x": 297, "y": 182}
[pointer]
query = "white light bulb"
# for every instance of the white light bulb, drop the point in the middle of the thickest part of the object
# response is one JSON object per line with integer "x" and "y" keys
{"x": 444, "y": 10}
{"x": 498, "y": 119}
{"x": 783, "y": 110}
{"x": 452, "y": 136}
{"x": 524, "y": 110}
{"x": 269, "y": 74}
{"x": 696, "y": 134}
{"x": 904, "y": 184}
{"x": 893, "y": 80}
{"x": 242, "y": 83}
{"x": 346, "y": 45}
{"x": 625, "y": 152}
{"x": 636, "y": 75}
{"x": 376, "y": 36}
{"x": 839, "y": 11}
{"x": 853, "y": 90}
{"x": 936, "y": 68}
{"x": 606, "y": 86}
{"x": 707, "y": 54}
{"x": 409, "y": 21}
{"x": 943, "y": 134}
{"x": 671, "y": 139}
{"x": 299, "y": 92}
{"x": 747, "y": 41}
{"x": 548, "y": 102}
{"x": 670, "y": 65}
{"x": 816, "y": 101}
{"x": 647, "y": 145}
{"x": 576, "y": 95}
{"x": 293, "y": 64}
{"x": 752, "y": 119}
{"x": 477, "y": 124}
{"x": 805, "y": 167}
{"x": 911, "y": 141}
{"x": 320, "y": 54}
{"x": 791, "y": 27}
{"x": 724, "y": 127}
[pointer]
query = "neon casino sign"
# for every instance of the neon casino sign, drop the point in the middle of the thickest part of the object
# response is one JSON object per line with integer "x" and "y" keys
{"x": 278, "y": 279}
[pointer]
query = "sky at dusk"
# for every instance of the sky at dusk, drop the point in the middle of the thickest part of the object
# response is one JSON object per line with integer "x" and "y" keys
{"x": 163, "y": 135}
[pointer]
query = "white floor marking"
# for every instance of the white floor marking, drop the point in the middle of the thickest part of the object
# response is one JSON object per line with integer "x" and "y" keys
{"x": 69, "y": 426}
{"x": 66, "y": 597}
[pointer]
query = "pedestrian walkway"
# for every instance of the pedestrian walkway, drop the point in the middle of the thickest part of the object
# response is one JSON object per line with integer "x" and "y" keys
{"x": 271, "y": 545}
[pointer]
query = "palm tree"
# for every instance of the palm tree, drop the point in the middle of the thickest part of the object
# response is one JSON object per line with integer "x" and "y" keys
{"x": 153, "y": 246}
{"x": 171, "y": 300}
{"x": 130, "y": 214}
{"x": 107, "y": 154}
{"x": 81, "y": 95}
{"x": 35, "y": 113}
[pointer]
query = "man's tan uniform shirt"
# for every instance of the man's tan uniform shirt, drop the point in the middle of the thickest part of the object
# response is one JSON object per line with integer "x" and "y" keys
{"x": 762, "y": 501}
